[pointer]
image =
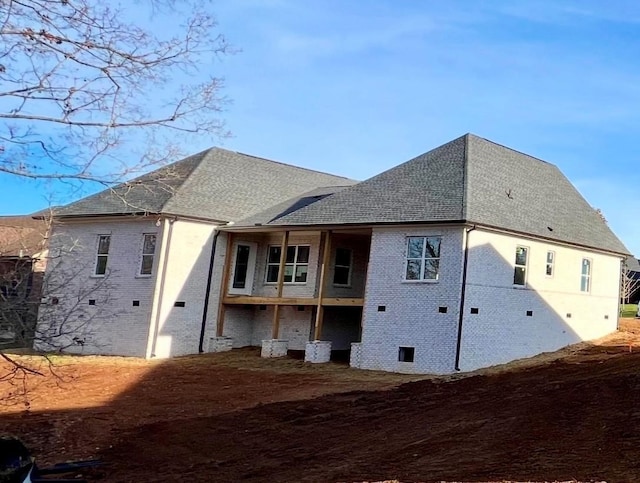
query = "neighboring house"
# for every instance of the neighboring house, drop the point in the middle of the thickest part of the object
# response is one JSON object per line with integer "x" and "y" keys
{"x": 630, "y": 285}
{"x": 130, "y": 267}
{"x": 470, "y": 255}
{"x": 22, "y": 264}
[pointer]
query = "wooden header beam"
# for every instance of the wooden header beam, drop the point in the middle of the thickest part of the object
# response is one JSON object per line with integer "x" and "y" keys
{"x": 307, "y": 301}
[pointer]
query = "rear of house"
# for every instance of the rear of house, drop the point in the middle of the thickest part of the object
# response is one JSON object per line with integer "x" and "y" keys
{"x": 451, "y": 261}
{"x": 131, "y": 267}
{"x": 468, "y": 265}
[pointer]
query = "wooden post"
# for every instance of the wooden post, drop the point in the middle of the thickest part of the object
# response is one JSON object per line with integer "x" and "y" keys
{"x": 276, "y": 310}
{"x": 224, "y": 287}
{"x": 326, "y": 257}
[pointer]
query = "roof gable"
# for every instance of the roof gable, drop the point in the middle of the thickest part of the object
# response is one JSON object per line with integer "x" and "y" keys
{"x": 216, "y": 184}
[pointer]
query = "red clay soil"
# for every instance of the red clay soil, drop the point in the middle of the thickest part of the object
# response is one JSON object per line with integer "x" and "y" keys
{"x": 572, "y": 418}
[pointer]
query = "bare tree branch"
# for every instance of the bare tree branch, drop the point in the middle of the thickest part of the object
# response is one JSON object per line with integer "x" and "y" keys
{"x": 79, "y": 84}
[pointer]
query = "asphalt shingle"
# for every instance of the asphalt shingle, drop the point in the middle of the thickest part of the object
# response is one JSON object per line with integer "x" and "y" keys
{"x": 469, "y": 179}
{"x": 216, "y": 184}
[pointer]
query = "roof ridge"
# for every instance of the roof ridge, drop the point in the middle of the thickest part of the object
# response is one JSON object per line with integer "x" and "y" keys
{"x": 465, "y": 178}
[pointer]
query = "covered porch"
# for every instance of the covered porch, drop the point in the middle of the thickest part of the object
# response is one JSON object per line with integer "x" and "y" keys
{"x": 293, "y": 289}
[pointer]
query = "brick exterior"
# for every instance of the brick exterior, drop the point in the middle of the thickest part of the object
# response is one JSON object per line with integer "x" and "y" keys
{"x": 501, "y": 331}
{"x": 113, "y": 325}
{"x": 184, "y": 267}
{"x": 411, "y": 317}
{"x": 419, "y": 315}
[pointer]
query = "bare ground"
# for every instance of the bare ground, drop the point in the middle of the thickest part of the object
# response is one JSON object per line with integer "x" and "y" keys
{"x": 573, "y": 415}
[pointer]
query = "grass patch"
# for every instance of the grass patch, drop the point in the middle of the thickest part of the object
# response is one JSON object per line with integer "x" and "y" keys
{"x": 628, "y": 310}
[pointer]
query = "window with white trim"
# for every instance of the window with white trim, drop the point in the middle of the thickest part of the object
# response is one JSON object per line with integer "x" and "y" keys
{"x": 102, "y": 255}
{"x": 148, "y": 252}
{"x": 296, "y": 264}
{"x": 520, "y": 270}
{"x": 342, "y": 268}
{"x": 423, "y": 258}
{"x": 585, "y": 277}
{"x": 551, "y": 260}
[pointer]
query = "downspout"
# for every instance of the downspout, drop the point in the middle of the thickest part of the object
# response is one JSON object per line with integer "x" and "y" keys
{"x": 163, "y": 277}
{"x": 620, "y": 293}
{"x": 462, "y": 295}
{"x": 208, "y": 290}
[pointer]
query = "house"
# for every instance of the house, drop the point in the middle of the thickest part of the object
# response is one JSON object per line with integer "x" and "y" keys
{"x": 130, "y": 268}
{"x": 22, "y": 265}
{"x": 630, "y": 285}
{"x": 470, "y": 255}
{"x": 467, "y": 256}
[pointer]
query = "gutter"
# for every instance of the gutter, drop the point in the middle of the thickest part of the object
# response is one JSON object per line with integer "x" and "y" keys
{"x": 462, "y": 295}
{"x": 208, "y": 290}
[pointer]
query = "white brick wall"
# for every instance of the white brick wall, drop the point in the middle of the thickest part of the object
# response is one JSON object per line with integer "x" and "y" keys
{"x": 113, "y": 325}
{"x": 502, "y": 331}
{"x": 177, "y": 329}
{"x": 411, "y": 317}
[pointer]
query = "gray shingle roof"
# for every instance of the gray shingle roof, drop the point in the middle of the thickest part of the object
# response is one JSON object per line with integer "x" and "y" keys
{"x": 215, "y": 184}
{"x": 474, "y": 180}
{"x": 289, "y": 206}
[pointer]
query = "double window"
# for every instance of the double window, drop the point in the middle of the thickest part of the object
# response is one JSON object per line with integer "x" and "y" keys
{"x": 102, "y": 256}
{"x": 296, "y": 264}
{"x": 520, "y": 270}
{"x": 148, "y": 252}
{"x": 423, "y": 258}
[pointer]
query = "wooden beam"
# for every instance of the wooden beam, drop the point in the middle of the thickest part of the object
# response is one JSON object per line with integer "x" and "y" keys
{"x": 308, "y": 301}
{"x": 342, "y": 302}
{"x": 224, "y": 287}
{"x": 249, "y": 300}
{"x": 317, "y": 332}
{"x": 275, "y": 330}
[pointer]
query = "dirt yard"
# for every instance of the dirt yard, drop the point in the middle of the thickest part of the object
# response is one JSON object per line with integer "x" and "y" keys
{"x": 568, "y": 416}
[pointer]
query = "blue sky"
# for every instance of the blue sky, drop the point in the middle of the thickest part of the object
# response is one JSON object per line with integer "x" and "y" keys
{"x": 355, "y": 87}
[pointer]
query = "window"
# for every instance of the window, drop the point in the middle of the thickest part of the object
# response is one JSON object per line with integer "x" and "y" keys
{"x": 520, "y": 272}
{"x": 296, "y": 264}
{"x": 423, "y": 258}
{"x": 551, "y": 258}
{"x": 585, "y": 279}
{"x": 242, "y": 265}
{"x": 103, "y": 253}
{"x": 148, "y": 251}
{"x": 342, "y": 271}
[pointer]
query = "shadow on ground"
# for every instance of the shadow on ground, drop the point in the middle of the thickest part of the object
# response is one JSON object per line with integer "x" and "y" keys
{"x": 574, "y": 418}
